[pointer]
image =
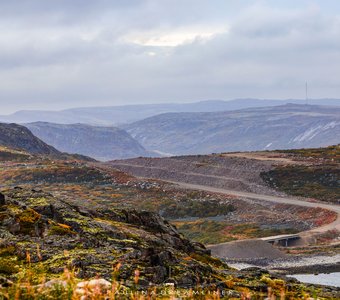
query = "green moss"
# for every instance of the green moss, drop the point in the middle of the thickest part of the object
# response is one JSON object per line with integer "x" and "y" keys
{"x": 7, "y": 154}
{"x": 60, "y": 230}
{"x": 204, "y": 231}
{"x": 329, "y": 153}
{"x": 14, "y": 209}
{"x": 207, "y": 259}
{"x": 80, "y": 221}
{"x": 27, "y": 220}
{"x": 3, "y": 215}
{"x": 214, "y": 232}
{"x": 320, "y": 182}
{"x": 7, "y": 251}
{"x": 39, "y": 201}
{"x": 123, "y": 242}
{"x": 195, "y": 208}
{"x": 28, "y": 216}
{"x": 8, "y": 266}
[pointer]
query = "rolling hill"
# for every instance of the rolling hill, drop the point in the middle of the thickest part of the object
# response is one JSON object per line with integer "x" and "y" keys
{"x": 19, "y": 137}
{"x": 267, "y": 128}
{"x": 116, "y": 115}
{"x": 102, "y": 143}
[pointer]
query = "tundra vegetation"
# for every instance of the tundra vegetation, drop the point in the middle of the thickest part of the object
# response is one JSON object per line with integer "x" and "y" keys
{"x": 65, "y": 222}
{"x": 319, "y": 178}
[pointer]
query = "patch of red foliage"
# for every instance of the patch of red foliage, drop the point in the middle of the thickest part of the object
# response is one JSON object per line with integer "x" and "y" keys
{"x": 325, "y": 217}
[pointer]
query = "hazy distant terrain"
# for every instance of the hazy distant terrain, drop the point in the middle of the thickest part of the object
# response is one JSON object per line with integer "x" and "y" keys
{"x": 280, "y": 127}
{"x": 102, "y": 143}
{"x": 114, "y": 115}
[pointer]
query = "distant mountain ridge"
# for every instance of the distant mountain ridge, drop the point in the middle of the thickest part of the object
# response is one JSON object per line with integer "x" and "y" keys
{"x": 19, "y": 137}
{"x": 115, "y": 115}
{"x": 278, "y": 127}
{"x": 101, "y": 143}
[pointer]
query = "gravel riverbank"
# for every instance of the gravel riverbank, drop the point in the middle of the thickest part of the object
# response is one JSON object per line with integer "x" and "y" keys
{"x": 292, "y": 265}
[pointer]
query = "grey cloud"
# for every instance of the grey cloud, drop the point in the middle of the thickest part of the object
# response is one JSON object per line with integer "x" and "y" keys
{"x": 56, "y": 54}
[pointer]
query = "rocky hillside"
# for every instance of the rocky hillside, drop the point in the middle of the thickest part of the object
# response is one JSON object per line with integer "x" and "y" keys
{"x": 19, "y": 137}
{"x": 318, "y": 178}
{"x": 212, "y": 170}
{"x": 101, "y": 143}
{"x": 312, "y": 172}
{"x": 281, "y": 127}
{"x": 35, "y": 222}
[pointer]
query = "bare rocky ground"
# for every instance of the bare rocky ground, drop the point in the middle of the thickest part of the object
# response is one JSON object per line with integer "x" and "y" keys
{"x": 240, "y": 171}
{"x": 212, "y": 170}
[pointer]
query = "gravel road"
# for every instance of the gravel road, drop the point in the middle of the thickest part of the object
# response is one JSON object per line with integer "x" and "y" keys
{"x": 283, "y": 200}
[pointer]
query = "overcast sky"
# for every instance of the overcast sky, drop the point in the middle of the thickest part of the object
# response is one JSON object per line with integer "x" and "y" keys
{"x": 57, "y": 54}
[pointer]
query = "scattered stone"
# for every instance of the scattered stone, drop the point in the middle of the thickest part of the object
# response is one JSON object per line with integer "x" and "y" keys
{"x": 101, "y": 283}
{"x": 88, "y": 289}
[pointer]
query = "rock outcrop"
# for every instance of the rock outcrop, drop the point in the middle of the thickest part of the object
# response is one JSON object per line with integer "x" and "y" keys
{"x": 57, "y": 235}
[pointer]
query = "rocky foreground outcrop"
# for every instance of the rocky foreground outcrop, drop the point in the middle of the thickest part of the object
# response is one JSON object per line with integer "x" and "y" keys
{"x": 55, "y": 235}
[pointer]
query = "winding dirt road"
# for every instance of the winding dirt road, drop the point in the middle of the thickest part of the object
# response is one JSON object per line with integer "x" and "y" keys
{"x": 233, "y": 177}
{"x": 283, "y": 200}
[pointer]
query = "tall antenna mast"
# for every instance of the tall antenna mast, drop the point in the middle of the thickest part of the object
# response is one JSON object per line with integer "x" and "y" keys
{"x": 306, "y": 92}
